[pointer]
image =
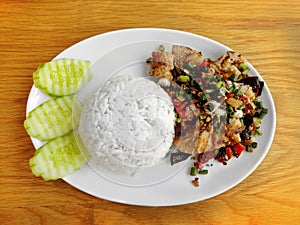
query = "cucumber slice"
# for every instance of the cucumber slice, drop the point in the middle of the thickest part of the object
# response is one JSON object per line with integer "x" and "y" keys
{"x": 53, "y": 118}
{"x": 62, "y": 77}
{"x": 58, "y": 158}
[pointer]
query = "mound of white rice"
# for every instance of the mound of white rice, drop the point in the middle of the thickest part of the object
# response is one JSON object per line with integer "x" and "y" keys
{"x": 128, "y": 123}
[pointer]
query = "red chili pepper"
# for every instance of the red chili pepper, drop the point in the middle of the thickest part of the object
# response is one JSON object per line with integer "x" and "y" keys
{"x": 244, "y": 99}
{"x": 183, "y": 114}
{"x": 222, "y": 160}
{"x": 181, "y": 107}
{"x": 205, "y": 63}
{"x": 246, "y": 110}
{"x": 238, "y": 148}
{"x": 229, "y": 95}
{"x": 198, "y": 165}
{"x": 176, "y": 102}
{"x": 228, "y": 153}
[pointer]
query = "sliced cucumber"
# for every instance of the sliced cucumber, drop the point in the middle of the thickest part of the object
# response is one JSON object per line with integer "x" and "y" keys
{"x": 53, "y": 118}
{"x": 58, "y": 158}
{"x": 62, "y": 77}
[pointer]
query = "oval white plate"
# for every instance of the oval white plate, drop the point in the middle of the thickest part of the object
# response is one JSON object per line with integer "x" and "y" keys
{"x": 178, "y": 189}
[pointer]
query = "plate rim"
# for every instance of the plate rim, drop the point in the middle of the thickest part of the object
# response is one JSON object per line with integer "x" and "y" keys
{"x": 197, "y": 36}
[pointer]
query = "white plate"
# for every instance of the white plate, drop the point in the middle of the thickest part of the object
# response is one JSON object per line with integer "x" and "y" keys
{"x": 136, "y": 45}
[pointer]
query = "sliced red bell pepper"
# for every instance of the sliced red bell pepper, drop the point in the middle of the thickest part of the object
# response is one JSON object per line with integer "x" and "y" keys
{"x": 238, "y": 148}
{"x": 181, "y": 107}
{"x": 228, "y": 153}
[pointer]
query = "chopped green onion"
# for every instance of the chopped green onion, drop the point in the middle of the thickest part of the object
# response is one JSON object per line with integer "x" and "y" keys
{"x": 258, "y": 132}
{"x": 263, "y": 112}
{"x": 178, "y": 120}
{"x": 234, "y": 84}
{"x": 244, "y": 73}
{"x": 181, "y": 98}
{"x": 229, "y": 109}
{"x": 204, "y": 97}
{"x": 242, "y": 106}
{"x": 202, "y": 117}
{"x": 183, "y": 78}
{"x": 234, "y": 77}
{"x": 258, "y": 104}
{"x": 237, "y": 92}
{"x": 256, "y": 121}
{"x": 230, "y": 89}
{"x": 193, "y": 171}
{"x": 203, "y": 172}
{"x": 242, "y": 122}
{"x": 181, "y": 92}
{"x": 161, "y": 48}
{"x": 229, "y": 120}
{"x": 231, "y": 113}
{"x": 220, "y": 84}
{"x": 254, "y": 145}
{"x": 218, "y": 78}
{"x": 244, "y": 67}
{"x": 248, "y": 148}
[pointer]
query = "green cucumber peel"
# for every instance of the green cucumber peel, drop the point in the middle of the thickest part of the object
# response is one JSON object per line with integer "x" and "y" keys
{"x": 62, "y": 76}
{"x": 53, "y": 118}
{"x": 59, "y": 157}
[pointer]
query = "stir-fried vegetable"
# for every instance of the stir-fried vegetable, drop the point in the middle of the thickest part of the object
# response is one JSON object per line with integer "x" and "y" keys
{"x": 216, "y": 104}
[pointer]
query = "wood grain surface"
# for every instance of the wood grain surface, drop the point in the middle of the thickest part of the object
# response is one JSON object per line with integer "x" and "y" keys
{"x": 266, "y": 32}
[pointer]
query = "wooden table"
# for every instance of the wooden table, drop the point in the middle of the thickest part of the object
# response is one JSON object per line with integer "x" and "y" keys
{"x": 266, "y": 32}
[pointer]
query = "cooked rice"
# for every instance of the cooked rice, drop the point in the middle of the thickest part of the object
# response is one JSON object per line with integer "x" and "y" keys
{"x": 128, "y": 123}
